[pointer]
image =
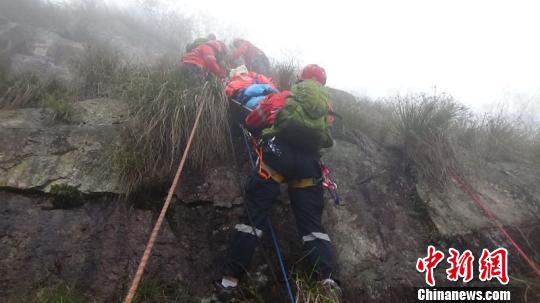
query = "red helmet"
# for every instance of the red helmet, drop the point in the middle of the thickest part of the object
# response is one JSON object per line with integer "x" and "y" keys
{"x": 314, "y": 72}
{"x": 238, "y": 42}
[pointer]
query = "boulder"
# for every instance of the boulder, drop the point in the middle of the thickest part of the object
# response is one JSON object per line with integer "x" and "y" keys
{"x": 36, "y": 152}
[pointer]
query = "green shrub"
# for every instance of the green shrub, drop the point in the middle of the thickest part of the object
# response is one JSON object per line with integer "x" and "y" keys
{"x": 62, "y": 108}
{"x": 150, "y": 291}
{"x": 65, "y": 196}
{"x": 153, "y": 290}
{"x": 26, "y": 90}
{"x": 60, "y": 294}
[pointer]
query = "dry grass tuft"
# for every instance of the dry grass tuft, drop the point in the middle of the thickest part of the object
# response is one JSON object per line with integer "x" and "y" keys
{"x": 99, "y": 69}
{"x": 422, "y": 124}
{"x": 162, "y": 114}
{"x": 308, "y": 291}
{"x": 284, "y": 73}
{"x": 361, "y": 114}
{"x": 27, "y": 90}
{"x": 434, "y": 132}
{"x": 497, "y": 137}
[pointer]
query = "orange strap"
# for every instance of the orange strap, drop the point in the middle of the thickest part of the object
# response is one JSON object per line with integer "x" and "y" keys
{"x": 263, "y": 170}
{"x": 266, "y": 173}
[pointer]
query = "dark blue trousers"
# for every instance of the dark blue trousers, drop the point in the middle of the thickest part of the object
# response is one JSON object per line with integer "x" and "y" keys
{"x": 307, "y": 205}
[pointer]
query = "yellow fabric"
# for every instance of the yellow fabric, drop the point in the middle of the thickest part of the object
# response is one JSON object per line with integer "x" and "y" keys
{"x": 298, "y": 183}
{"x": 302, "y": 183}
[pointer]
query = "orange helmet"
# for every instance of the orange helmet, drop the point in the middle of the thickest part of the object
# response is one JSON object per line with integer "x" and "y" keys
{"x": 314, "y": 72}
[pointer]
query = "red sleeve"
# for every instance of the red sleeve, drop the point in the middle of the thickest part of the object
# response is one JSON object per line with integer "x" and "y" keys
{"x": 211, "y": 62}
{"x": 265, "y": 113}
{"x": 239, "y": 51}
{"x": 258, "y": 117}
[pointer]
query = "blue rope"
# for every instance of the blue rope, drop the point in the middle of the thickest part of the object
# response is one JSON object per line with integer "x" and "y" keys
{"x": 274, "y": 238}
{"x": 280, "y": 259}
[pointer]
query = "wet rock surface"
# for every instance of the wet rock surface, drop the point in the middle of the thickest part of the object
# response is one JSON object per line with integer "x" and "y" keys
{"x": 385, "y": 224}
{"x": 37, "y": 152}
{"x": 95, "y": 246}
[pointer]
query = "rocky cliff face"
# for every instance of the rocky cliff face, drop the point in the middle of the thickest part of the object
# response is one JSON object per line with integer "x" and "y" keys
{"x": 387, "y": 220}
{"x": 53, "y": 54}
{"x": 385, "y": 224}
{"x": 37, "y": 50}
{"x": 39, "y": 152}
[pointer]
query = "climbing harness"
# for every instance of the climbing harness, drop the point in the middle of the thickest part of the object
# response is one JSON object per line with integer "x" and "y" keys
{"x": 153, "y": 236}
{"x": 279, "y": 256}
{"x": 329, "y": 184}
{"x": 266, "y": 172}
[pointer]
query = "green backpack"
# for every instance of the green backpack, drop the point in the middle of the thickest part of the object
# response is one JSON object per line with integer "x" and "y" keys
{"x": 196, "y": 43}
{"x": 303, "y": 122}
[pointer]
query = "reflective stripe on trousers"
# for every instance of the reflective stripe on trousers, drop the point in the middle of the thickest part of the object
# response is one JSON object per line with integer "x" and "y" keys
{"x": 314, "y": 236}
{"x": 249, "y": 230}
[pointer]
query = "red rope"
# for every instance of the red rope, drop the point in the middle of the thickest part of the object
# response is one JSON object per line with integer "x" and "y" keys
{"x": 475, "y": 196}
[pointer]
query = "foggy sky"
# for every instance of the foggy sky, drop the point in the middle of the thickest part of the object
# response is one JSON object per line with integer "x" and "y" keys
{"x": 480, "y": 51}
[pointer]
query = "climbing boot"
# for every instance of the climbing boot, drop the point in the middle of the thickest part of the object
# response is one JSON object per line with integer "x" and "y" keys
{"x": 224, "y": 294}
{"x": 332, "y": 289}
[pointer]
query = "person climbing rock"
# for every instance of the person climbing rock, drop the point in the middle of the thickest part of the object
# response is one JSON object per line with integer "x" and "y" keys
{"x": 201, "y": 40}
{"x": 293, "y": 127}
{"x": 204, "y": 60}
{"x": 254, "y": 58}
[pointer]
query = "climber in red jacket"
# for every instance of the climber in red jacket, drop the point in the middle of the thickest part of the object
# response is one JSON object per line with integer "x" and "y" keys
{"x": 205, "y": 59}
{"x": 254, "y": 58}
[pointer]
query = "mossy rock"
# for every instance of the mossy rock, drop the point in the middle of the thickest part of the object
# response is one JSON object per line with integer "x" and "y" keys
{"x": 66, "y": 196}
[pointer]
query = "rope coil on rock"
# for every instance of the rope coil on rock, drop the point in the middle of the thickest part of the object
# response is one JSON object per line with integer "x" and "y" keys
{"x": 153, "y": 236}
